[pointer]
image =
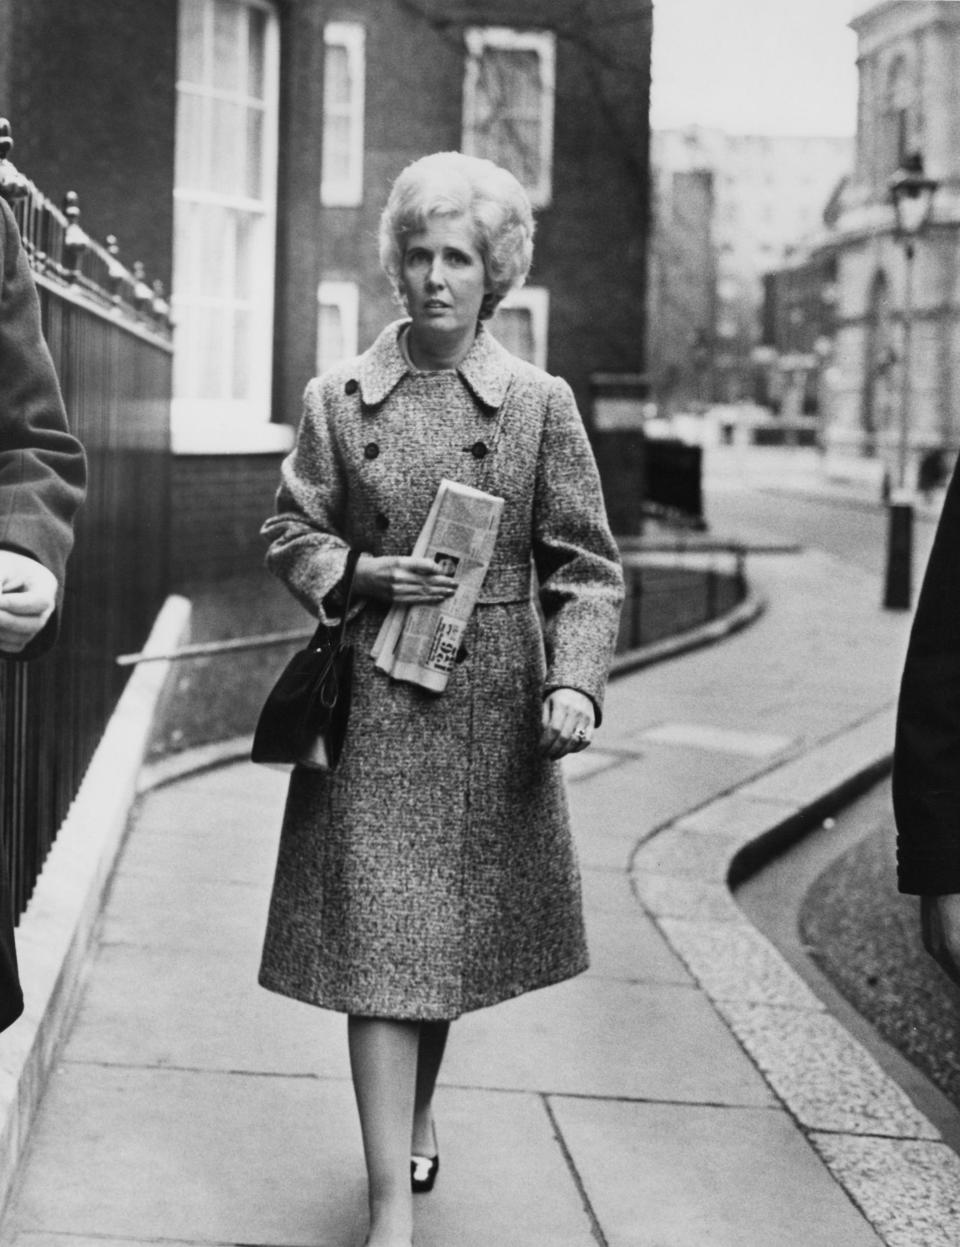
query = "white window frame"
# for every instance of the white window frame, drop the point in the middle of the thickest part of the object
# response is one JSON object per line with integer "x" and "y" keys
{"x": 536, "y": 301}
{"x": 478, "y": 39}
{"x": 345, "y": 297}
{"x": 200, "y": 424}
{"x": 348, "y": 191}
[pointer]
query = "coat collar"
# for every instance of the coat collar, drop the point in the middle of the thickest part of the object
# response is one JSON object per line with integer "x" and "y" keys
{"x": 487, "y": 368}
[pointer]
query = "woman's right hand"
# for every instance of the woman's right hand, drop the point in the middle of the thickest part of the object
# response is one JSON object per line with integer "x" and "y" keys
{"x": 401, "y": 580}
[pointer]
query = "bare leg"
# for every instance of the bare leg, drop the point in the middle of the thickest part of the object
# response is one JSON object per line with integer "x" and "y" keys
{"x": 383, "y": 1059}
{"x": 433, "y": 1041}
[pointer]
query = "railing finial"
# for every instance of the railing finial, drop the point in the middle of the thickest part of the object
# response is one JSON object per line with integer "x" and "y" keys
{"x": 13, "y": 185}
{"x": 74, "y": 239}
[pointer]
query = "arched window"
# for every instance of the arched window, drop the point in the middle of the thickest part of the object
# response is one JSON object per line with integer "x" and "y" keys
{"x": 900, "y": 99}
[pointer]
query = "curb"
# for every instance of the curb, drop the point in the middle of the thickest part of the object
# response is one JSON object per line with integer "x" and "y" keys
{"x": 56, "y": 932}
{"x": 750, "y": 609}
{"x": 887, "y": 1156}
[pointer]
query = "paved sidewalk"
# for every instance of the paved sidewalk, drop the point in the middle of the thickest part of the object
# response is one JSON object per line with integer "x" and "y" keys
{"x": 687, "y": 1091}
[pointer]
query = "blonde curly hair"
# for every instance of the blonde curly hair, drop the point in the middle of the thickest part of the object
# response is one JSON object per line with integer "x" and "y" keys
{"x": 451, "y": 184}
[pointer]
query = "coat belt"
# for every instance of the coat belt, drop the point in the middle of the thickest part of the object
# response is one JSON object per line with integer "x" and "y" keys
{"x": 510, "y": 582}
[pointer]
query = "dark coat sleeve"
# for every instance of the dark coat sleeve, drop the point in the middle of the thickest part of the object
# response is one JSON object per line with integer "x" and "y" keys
{"x": 42, "y": 466}
{"x": 926, "y": 761}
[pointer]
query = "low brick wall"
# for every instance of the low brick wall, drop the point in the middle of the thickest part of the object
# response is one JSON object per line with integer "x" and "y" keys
{"x": 218, "y": 505}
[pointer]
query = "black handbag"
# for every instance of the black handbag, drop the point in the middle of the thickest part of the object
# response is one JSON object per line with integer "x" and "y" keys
{"x": 304, "y": 719}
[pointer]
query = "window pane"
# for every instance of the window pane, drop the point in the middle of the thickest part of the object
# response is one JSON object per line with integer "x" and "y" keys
{"x": 336, "y": 78}
{"x": 187, "y": 227}
{"x": 190, "y": 47}
{"x": 331, "y": 347}
{"x": 336, "y": 149}
{"x": 256, "y": 52}
{"x": 189, "y": 152}
{"x": 509, "y": 108}
{"x": 227, "y": 160}
{"x": 226, "y": 46}
{"x": 215, "y": 267}
{"x": 248, "y": 230}
{"x": 242, "y": 347}
{"x": 254, "y": 154}
{"x": 513, "y": 327}
{"x": 212, "y": 328}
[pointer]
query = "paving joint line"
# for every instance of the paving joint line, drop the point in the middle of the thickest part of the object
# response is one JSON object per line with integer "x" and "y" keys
{"x": 596, "y": 1229}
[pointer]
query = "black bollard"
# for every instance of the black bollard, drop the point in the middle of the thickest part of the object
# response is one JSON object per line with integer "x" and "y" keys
{"x": 898, "y": 588}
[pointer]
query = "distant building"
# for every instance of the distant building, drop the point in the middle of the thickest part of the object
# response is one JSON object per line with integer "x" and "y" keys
{"x": 769, "y": 195}
{"x": 907, "y": 56}
{"x": 243, "y": 149}
{"x": 682, "y": 291}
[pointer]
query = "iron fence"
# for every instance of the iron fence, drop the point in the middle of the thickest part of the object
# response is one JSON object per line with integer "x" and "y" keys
{"x": 674, "y": 586}
{"x": 109, "y": 335}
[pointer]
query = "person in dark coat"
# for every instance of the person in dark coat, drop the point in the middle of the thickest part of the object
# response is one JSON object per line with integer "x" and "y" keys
{"x": 434, "y": 872}
{"x": 42, "y": 466}
{"x": 42, "y": 481}
{"x": 926, "y": 760}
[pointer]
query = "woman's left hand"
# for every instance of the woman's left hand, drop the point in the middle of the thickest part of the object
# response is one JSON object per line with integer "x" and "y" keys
{"x": 568, "y": 721}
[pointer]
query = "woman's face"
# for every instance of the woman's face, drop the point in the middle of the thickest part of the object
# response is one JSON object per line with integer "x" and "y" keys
{"x": 442, "y": 277}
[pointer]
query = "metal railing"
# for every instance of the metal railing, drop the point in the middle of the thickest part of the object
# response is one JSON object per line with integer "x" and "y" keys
{"x": 109, "y": 334}
{"x": 673, "y": 586}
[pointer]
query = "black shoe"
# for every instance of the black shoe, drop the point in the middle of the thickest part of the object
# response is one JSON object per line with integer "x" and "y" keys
{"x": 423, "y": 1173}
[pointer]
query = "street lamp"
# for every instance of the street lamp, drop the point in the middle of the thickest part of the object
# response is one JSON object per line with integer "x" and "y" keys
{"x": 911, "y": 193}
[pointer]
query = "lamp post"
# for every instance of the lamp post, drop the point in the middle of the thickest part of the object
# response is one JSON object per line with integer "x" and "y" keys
{"x": 911, "y": 193}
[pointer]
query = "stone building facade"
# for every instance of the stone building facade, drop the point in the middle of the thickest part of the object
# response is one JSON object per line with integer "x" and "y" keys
{"x": 909, "y": 61}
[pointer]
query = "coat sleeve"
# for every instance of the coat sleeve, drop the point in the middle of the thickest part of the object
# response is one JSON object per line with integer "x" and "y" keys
{"x": 306, "y": 534}
{"x": 42, "y": 466}
{"x": 576, "y": 558}
{"x": 926, "y": 760}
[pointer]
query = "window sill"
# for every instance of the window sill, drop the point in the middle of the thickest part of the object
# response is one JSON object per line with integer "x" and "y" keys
{"x": 208, "y": 437}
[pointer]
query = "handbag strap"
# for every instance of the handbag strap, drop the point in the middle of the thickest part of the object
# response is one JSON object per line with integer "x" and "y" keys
{"x": 323, "y": 630}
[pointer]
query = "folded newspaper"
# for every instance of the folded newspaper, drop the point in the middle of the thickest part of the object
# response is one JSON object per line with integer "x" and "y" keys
{"x": 420, "y": 644}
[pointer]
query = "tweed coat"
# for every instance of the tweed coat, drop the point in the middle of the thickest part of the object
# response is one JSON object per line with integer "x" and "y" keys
{"x": 433, "y": 872}
{"x": 42, "y": 466}
{"x": 926, "y": 757}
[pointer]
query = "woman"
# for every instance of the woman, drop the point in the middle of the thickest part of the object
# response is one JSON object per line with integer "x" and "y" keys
{"x": 433, "y": 872}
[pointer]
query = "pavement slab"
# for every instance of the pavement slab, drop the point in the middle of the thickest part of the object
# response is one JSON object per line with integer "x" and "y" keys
{"x": 624, "y": 943}
{"x": 156, "y": 1007}
{"x": 670, "y": 1175}
{"x": 586, "y": 1037}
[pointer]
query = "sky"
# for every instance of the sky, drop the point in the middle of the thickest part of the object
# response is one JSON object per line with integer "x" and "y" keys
{"x": 756, "y": 66}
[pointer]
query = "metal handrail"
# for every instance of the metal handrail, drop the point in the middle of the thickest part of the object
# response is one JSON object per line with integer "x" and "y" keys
{"x": 205, "y": 649}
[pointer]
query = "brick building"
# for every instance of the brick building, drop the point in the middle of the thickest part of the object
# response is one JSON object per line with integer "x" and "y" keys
{"x": 243, "y": 150}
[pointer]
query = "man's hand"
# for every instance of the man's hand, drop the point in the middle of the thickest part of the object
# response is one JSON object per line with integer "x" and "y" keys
{"x": 28, "y": 596}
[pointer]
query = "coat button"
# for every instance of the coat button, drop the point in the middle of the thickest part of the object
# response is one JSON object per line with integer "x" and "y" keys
{"x": 382, "y": 521}
{"x": 352, "y": 386}
{"x": 463, "y": 654}
{"x": 371, "y": 450}
{"x": 479, "y": 450}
